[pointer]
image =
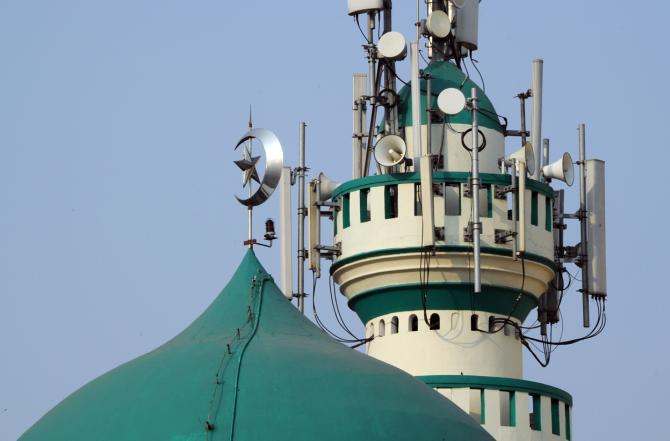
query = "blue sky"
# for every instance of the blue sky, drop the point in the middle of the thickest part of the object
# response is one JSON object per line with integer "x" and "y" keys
{"x": 118, "y": 222}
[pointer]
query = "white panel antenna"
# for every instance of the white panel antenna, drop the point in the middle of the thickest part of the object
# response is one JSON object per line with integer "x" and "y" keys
{"x": 467, "y": 24}
{"x": 362, "y": 6}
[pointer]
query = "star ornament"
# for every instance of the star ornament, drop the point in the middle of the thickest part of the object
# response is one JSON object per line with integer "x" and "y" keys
{"x": 248, "y": 167}
{"x": 272, "y": 172}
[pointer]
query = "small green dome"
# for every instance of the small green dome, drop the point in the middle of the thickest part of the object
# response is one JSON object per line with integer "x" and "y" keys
{"x": 445, "y": 75}
{"x": 251, "y": 367}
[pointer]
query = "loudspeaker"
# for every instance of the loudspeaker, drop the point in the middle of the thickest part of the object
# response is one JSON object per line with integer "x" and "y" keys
{"x": 563, "y": 170}
{"x": 390, "y": 150}
{"x": 525, "y": 154}
{"x": 327, "y": 186}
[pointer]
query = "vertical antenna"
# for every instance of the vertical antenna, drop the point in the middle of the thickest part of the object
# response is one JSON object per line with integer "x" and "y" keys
{"x": 285, "y": 234}
{"x": 301, "y": 220}
{"x": 536, "y": 117}
{"x": 583, "y": 224}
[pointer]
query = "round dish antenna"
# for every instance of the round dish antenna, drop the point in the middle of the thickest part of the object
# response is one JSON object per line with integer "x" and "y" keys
{"x": 438, "y": 24}
{"x": 392, "y": 46}
{"x": 451, "y": 101}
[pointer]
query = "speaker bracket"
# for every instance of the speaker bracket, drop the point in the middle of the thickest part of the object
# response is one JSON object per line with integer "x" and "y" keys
{"x": 501, "y": 191}
{"x": 503, "y": 236}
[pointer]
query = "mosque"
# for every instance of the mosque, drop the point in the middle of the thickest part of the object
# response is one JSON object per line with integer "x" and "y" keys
{"x": 443, "y": 246}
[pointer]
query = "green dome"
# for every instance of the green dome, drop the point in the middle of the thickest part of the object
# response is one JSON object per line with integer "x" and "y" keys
{"x": 251, "y": 367}
{"x": 446, "y": 75}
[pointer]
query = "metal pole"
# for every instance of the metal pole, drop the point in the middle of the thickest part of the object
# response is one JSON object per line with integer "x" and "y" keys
{"x": 359, "y": 84}
{"x": 301, "y": 220}
{"x": 515, "y": 227}
{"x": 545, "y": 157}
{"x": 545, "y": 152}
{"x": 250, "y": 208}
{"x": 474, "y": 185}
{"x": 429, "y": 111}
{"x": 389, "y": 79}
{"x": 584, "y": 228}
{"x": 371, "y": 53}
{"x": 522, "y": 103}
{"x": 415, "y": 89}
{"x": 418, "y": 20}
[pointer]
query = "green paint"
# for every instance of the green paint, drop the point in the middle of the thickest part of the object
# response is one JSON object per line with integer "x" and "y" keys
{"x": 496, "y": 383}
{"x": 489, "y": 201}
{"x": 441, "y": 296}
{"x": 336, "y": 213}
{"x": 567, "y": 422}
{"x": 438, "y": 176}
{"x": 482, "y": 403}
{"x": 536, "y": 422}
{"x": 555, "y": 417}
{"x": 252, "y": 339}
{"x": 363, "y": 206}
{"x": 533, "y": 208}
{"x": 446, "y": 75}
{"x": 512, "y": 408}
{"x": 346, "y": 211}
{"x": 440, "y": 248}
{"x": 547, "y": 214}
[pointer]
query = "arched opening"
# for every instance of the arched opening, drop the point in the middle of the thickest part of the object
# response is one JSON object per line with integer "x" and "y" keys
{"x": 434, "y": 321}
{"x": 372, "y": 330}
{"x": 382, "y": 327}
{"x": 413, "y": 323}
{"x": 394, "y": 325}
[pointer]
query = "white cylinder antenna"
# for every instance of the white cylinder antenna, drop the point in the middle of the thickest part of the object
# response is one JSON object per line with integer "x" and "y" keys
{"x": 536, "y": 118}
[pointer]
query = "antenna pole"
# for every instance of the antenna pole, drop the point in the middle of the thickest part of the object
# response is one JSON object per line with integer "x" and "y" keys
{"x": 582, "y": 222}
{"x": 302, "y": 210}
{"x": 477, "y": 226}
{"x": 250, "y": 209}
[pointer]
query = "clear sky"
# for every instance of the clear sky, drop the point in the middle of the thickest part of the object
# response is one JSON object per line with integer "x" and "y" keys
{"x": 118, "y": 224}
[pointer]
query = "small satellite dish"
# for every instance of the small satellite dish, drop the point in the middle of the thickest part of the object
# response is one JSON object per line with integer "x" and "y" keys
{"x": 438, "y": 24}
{"x": 392, "y": 46}
{"x": 390, "y": 150}
{"x": 451, "y": 101}
{"x": 458, "y": 3}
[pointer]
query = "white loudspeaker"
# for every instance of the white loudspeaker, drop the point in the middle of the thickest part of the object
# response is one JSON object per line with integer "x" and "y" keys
{"x": 563, "y": 170}
{"x": 390, "y": 150}
{"x": 327, "y": 186}
{"x": 525, "y": 154}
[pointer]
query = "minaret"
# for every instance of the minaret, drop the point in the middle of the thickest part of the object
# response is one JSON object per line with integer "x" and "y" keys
{"x": 407, "y": 259}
